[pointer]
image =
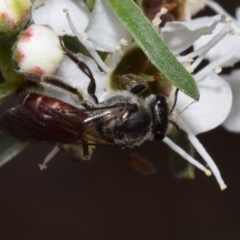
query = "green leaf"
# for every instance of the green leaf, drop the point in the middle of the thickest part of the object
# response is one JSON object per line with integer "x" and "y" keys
{"x": 90, "y": 4}
{"x": 179, "y": 167}
{"x": 10, "y": 79}
{"x": 9, "y": 148}
{"x": 154, "y": 47}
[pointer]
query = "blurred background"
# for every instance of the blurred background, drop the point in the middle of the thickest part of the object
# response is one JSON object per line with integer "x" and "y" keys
{"x": 105, "y": 199}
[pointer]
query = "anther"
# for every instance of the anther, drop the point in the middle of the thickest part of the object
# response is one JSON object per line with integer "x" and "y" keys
{"x": 189, "y": 68}
{"x": 156, "y": 21}
{"x": 205, "y": 32}
{"x": 190, "y": 59}
{"x": 84, "y": 36}
{"x": 217, "y": 69}
{"x": 223, "y": 186}
{"x": 231, "y": 31}
{"x": 208, "y": 173}
{"x": 118, "y": 48}
{"x": 124, "y": 41}
{"x": 163, "y": 11}
{"x": 228, "y": 19}
{"x": 42, "y": 166}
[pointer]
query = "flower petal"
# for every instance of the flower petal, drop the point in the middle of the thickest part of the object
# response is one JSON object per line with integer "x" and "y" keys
{"x": 238, "y": 14}
{"x": 232, "y": 123}
{"x": 104, "y": 29}
{"x": 213, "y": 107}
{"x": 52, "y": 14}
{"x": 181, "y": 35}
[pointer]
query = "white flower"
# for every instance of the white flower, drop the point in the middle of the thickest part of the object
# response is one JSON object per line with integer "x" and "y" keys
{"x": 232, "y": 123}
{"x": 101, "y": 30}
{"x": 52, "y": 13}
{"x": 227, "y": 53}
{"x": 212, "y": 109}
{"x": 215, "y": 94}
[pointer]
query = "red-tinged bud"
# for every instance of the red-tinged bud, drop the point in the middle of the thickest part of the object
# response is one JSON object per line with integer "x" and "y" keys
{"x": 14, "y": 15}
{"x": 38, "y": 50}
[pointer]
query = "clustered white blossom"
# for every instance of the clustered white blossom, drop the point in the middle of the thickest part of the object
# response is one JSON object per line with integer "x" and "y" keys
{"x": 214, "y": 38}
{"x": 225, "y": 54}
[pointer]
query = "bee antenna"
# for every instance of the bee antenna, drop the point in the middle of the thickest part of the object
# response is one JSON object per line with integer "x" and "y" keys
{"x": 187, "y": 106}
{"x": 175, "y": 100}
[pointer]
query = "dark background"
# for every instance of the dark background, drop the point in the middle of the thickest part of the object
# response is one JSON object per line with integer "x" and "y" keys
{"x": 105, "y": 199}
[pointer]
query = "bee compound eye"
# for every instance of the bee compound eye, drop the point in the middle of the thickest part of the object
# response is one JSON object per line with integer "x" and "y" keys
{"x": 160, "y": 100}
{"x": 161, "y": 118}
{"x": 159, "y": 134}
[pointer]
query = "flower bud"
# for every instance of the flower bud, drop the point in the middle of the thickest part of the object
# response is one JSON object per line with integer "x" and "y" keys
{"x": 38, "y": 50}
{"x": 13, "y": 17}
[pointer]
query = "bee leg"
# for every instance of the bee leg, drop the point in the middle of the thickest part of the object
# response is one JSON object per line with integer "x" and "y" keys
{"x": 79, "y": 151}
{"x": 87, "y": 104}
{"x": 51, "y": 81}
{"x": 86, "y": 155}
{"x": 85, "y": 69}
{"x": 134, "y": 84}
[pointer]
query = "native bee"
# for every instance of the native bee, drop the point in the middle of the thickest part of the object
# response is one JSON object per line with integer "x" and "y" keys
{"x": 124, "y": 119}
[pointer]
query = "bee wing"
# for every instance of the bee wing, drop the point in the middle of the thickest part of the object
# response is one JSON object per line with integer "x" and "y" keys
{"x": 45, "y": 122}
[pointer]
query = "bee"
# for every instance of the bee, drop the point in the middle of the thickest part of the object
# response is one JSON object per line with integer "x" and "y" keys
{"x": 124, "y": 119}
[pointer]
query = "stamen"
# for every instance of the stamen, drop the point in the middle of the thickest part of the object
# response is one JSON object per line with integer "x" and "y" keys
{"x": 205, "y": 32}
{"x": 124, "y": 41}
{"x": 48, "y": 158}
{"x": 228, "y": 19}
{"x": 42, "y": 167}
{"x": 223, "y": 186}
{"x": 156, "y": 21}
{"x": 208, "y": 173}
{"x": 231, "y": 31}
{"x": 185, "y": 155}
{"x": 218, "y": 9}
{"x": 190, "y": 59}
{"x": 88, "y": 45}
{"x": 202, "y": 51}
{"x": 163, "y": 11}
{"x": 217, "y": 69}
{"x": 189, "y": 68}
{"x": 217, "y": 62}
{"x": 84, "y": 36}
{"x": 202, "y": 151}
{"x": 118, "y": 48}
